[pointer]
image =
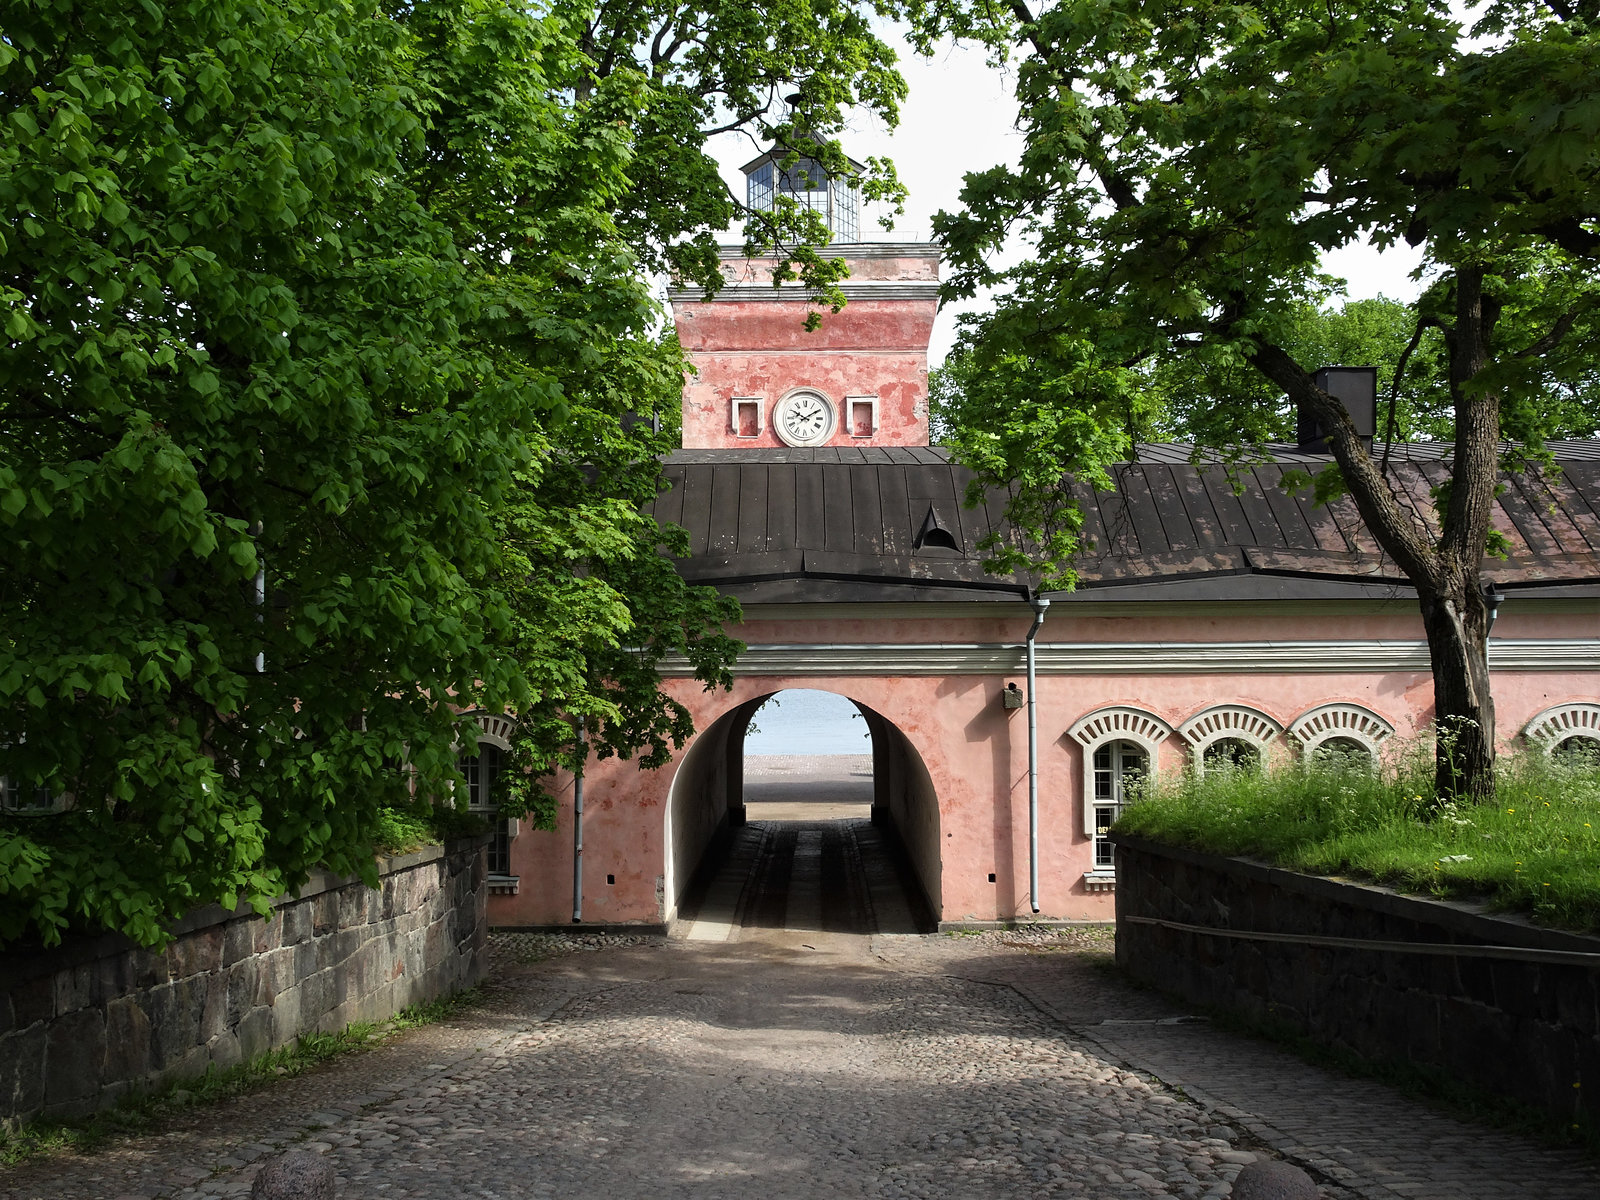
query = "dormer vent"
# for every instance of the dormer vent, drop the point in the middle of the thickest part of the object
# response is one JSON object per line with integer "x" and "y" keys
{"x": 934, "y": 535}
{"x": 1354, "y": 387}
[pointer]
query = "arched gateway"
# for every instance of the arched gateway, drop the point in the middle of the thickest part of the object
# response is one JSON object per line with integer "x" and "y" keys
{"x": 1213, "y": 606}
{"x": 707, "y": 799}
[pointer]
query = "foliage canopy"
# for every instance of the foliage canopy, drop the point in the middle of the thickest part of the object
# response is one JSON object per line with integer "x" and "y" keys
{"x": 323, "y": 325}
{"x": 1186, "y": 165}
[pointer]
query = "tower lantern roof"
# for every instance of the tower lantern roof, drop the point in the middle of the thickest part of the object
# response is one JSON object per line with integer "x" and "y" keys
{"x": 835, "y": 198}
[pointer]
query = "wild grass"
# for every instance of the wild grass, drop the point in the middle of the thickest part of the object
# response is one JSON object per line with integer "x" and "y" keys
{"x": 1534, "y": 850}
{"x": 401, "y": 830}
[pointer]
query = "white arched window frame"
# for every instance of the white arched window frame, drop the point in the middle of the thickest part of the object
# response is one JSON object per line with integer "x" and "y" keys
{"x": 1113, "y": 740}
{"x": 480, "y": 770}
{"x": 1554, "y": 726}
{"x": 1349, "y": 722}
{"x": 1224, "y": 721}
{"x": 19, "y": 797}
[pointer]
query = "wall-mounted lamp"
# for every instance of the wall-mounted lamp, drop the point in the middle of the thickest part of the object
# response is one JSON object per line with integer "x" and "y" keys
{"x": 1011, "y": 696}
{"x": 1493, "y": 598}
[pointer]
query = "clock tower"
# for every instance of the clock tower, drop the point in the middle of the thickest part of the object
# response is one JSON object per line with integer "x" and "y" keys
{"x": 762, "y": 380}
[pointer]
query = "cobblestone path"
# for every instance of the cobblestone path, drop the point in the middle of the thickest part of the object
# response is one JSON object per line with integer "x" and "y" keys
{"x": 830, "y": 876}
{"x": 799, "y": 1063}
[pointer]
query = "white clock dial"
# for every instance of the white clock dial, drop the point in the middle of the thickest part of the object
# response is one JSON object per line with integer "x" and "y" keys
{"x": 804, "y": 419}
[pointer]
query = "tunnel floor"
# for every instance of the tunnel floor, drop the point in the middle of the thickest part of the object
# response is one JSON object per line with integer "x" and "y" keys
{"x": 834, "y": 876}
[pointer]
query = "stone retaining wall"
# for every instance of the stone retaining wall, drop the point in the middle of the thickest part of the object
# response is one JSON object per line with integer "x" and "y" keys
{"x": 91, "y": 1020}
{"x": 1525, "y": 1029}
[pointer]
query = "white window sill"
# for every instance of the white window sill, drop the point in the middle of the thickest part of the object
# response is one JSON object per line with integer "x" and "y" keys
{"x": 1100, "y": 880}
{"x": 503, "y": 885}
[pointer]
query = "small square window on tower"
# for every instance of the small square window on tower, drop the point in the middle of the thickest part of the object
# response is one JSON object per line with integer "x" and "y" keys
{"x": 746, "y": 416}
{"x": 863, "y": 412}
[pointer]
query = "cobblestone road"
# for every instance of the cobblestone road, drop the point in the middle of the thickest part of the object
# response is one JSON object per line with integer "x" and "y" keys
{"x": 785, "y": 1063}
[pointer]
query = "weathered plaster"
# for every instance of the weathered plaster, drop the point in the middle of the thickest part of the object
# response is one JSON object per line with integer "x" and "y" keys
{"x": 975, "y": 754}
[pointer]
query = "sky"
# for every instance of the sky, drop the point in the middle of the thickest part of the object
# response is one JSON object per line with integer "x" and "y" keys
{"x": 958, "y": 118}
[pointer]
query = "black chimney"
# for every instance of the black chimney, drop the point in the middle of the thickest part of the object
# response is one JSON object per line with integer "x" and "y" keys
{"x": 1354, "y": 387}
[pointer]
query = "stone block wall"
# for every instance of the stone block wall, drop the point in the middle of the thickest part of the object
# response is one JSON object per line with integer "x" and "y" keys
{"x": 1520, "y": 1020}
{"x": 94, "y": 1019}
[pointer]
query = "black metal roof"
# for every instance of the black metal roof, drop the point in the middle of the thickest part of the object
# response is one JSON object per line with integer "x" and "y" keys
{"x": 844, "y": 524}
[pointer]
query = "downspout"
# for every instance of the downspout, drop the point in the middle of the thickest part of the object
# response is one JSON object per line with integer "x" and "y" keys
{"x": 1039, "y": 606}
{"x": 256, "y": 530}
{"x": 577, "y": 825}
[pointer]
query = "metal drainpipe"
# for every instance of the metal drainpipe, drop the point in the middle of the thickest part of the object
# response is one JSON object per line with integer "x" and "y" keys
{"x": 577, "y": 826}
{"x": 1039, "y": 606}
{"x": 256, "y": 530}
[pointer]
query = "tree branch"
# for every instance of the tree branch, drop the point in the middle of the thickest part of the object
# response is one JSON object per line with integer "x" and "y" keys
{"x": 1572, "y": 237}
{"x": 1118, "y": 189}
{"x": 1551, "y": 340}
{"x": 1386, "y": 518}
{"x": 1394, "y": 394}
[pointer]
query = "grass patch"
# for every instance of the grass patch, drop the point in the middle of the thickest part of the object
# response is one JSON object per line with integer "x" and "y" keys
{"x": 402, "y": 830}
{"x": 145, "y": 1111}
{"x": 1534, "y": 850}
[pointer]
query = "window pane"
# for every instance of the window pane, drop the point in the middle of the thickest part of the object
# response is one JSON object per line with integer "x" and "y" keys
{"x": 1104, "y": 852}
{"x": 1580, "y": 752}
{"x": 23, "y": 798}
{"x": 846, "y": 213}
{"x": 1342, "y": 754}
{"x": 499, "y": 850}
{"x": 1232, "y": 754}
{"x": 807, "y": 175}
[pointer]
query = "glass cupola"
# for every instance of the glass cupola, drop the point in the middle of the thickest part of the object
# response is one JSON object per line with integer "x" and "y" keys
{"x": 808, "y": 182}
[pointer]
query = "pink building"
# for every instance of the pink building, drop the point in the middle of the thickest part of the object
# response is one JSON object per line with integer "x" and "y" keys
{"x": 1207, "y": 623}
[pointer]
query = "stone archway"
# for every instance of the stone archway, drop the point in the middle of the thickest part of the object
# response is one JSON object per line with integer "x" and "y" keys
{"x": 706, "y": 806}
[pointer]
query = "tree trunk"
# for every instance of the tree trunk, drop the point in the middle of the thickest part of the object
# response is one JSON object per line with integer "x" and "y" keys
{"x": 1456, "y": 625}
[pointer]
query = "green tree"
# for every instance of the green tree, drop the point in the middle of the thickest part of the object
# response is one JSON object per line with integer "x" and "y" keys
{"x": 234, "y": 344}
{"x": 1372, "y": 333}
{"x": 595, "y": 602}
{"x": 1185, "y": 166}
{"x": 711, "y": 67}
{"x": 309, "y": 337}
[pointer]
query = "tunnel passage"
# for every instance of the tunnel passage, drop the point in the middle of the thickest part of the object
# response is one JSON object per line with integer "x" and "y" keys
{"x": 759, "y": 841}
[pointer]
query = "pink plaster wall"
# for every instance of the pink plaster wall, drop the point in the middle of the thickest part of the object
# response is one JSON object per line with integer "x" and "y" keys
{"x": 747, "y": 346}
{"x": 866, "y": 260}
{"x": 761, "y": 349}
{"x": 975, "y": 752}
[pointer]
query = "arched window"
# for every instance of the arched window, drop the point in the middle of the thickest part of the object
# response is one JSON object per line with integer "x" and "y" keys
{"x": 1579, "y": 751}
{"x": 1231, "y": 735}
{"x": 481, "y": 764}
{"x": 1230, "y": 754}
{"x": 1342, "y": 753}
{"x": 28, "y": 797}
{"x": 1568, "y": 733}
{"x": 1119, "y": 760}
{"x": 18, "y": 797}
{"x": 1344, "y": 733}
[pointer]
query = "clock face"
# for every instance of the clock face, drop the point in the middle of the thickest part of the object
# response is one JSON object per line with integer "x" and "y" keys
{"x": 804, "y": 419}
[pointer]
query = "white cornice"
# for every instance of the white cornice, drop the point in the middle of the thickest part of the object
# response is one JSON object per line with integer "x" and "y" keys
{"x": 794, "y": 293}
{"x": 847, "y": 250}
{"x": 1145, "y": 658}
